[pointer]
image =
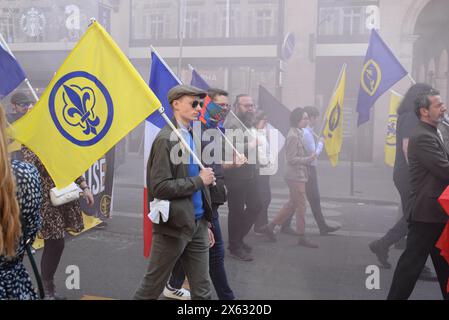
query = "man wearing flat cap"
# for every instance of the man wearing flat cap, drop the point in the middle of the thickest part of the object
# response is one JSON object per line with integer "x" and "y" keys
{"x": 185, "y": 235}
{"x": 21, "y": 103}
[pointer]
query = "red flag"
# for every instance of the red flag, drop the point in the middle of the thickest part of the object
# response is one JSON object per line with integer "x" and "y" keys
{"x": 443, "y": 242}
{"x": 147, "y": 226}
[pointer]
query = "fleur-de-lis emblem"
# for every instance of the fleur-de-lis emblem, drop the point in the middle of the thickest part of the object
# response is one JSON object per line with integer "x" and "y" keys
{"x": 371, "y": 77}
{"x": 334, "y": 119}
{"x": 79, "y": 108}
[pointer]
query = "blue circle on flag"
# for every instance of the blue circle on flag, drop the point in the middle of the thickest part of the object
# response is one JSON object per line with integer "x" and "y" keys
{"x": 77, "y": 110}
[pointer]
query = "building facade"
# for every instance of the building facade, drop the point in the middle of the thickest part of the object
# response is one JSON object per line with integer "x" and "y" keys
{"x": 238, "y": 45}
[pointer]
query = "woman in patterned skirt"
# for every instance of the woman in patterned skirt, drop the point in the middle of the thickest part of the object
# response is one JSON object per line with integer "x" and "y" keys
{"x": 55, "y": 222}
{"x": 20, "y": 199}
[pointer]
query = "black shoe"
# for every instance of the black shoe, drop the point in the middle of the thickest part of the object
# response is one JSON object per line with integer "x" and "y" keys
{"x": 427, "y": 275}
{"x": 289, "y": 231}
{"x": 247, "y": 248}
{"x": 268, "y": 232}
{"x": 381, "y": 253}
{"x": 328, "y": 229}
{"x": 241, "y": 255}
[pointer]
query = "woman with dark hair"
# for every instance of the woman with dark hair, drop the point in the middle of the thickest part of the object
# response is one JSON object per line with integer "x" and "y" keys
{"x": 296, "y": 177}
{"x": 407, "y": 121}
{"x": 20, "y": 199}
{"x": 56, "y": 221}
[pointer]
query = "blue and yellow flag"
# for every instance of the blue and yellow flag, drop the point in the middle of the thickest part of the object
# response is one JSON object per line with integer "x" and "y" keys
{"x": 381, "y": 70}
{"x": 333, "y": 128}
{"x": 95, "y": 99}
{"x": 390, "y": 141}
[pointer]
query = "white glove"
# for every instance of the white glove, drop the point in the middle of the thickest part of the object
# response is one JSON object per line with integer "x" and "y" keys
{"x": 159, "y": 208}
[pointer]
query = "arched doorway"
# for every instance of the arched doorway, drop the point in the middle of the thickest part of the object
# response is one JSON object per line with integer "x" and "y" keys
{"x": 430, "y": 58}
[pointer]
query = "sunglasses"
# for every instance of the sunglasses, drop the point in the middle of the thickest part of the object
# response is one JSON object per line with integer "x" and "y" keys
{"x": 197, "y": 103}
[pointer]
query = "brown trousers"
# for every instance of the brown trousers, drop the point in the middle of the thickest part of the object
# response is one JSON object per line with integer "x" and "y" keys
{"x": 296, "y": 202}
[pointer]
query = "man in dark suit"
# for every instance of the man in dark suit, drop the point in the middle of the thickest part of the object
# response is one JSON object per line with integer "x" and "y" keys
{"x": 429, "y": 176}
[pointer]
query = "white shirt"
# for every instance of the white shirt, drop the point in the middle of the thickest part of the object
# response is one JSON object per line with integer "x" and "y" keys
{"x": 310, "y": 144}
{"x": 267, "y": 161}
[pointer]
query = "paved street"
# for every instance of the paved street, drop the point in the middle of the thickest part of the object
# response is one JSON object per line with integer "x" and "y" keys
{"x": 111, "y": 262}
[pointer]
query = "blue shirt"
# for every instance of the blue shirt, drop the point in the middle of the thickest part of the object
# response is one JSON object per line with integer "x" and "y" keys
{"x": 310, "y": 144}
{"x": 193, "y": 170}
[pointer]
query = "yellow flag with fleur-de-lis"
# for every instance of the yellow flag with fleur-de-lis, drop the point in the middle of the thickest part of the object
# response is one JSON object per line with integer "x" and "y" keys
{"x": 390, "y": 140}
{"x": 333, "y": 128}
{"x": 94, "y": 100}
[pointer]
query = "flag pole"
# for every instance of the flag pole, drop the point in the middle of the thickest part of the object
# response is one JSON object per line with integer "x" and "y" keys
{"x": 181, "y": 138}
{"x": 170, "y": 123}
{"x": 221, "y": 132}
{"x": 243, "y": 125}
{"x": 235, "y": 116}
{"x": 153, "y": 49}
{"x": 411, "y": 78}
{"x": 182, "y": 31}
{"x": 183, "y": 141}
{"x": 27, "y": 82}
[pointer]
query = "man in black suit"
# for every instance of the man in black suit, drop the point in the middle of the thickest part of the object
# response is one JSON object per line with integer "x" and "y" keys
{"x": 429, "y": 176}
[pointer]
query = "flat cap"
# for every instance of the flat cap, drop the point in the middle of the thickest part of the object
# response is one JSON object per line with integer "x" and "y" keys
{"x": 184, "y": 90}
{"x": 21, "y": 98}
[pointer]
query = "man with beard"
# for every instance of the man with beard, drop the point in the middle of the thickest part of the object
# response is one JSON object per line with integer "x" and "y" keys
{"x": 241, "y": 182}
{"x": 429, "y": 176}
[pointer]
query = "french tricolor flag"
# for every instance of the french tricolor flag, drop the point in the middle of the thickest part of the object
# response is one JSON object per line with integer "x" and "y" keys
{"x": 162, "y": 79}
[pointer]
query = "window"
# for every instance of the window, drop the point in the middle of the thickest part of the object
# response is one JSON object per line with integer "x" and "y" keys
{"x": 352, "y": 21}
{"x": 329, "y": 22}
{"x": 264, "y": 22}
{"x": 204, "y": 19}
{"x": 339, "y": 21}
{"x": 7, "y": 24}
{"x": 154, "y": 26}
{"x": 192, "y": 25}
{"x": 45, "y": 21}
{"x": 232, "y": 23}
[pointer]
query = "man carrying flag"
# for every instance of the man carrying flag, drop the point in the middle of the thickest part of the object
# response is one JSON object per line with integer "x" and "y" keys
{"x": 381, "y": 70}
{"x": 333, "y": 127}
{"x": 184, "y": 232}
{"x": 218, "y": 98}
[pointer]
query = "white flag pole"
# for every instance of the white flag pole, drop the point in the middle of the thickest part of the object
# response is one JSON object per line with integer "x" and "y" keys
{"x": 221, "y": 132}
{"x": 172, "y": 126}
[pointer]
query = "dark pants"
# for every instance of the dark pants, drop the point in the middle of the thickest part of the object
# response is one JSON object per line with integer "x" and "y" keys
{"x": 400, "y": 229}
{"x": 244, "y": 206}
{"x": 265, "y": 198}
{"x": 421, "y": 240}
{"x": 166, "y": 251}
{"x": 217, "y": 270}
{"x": 314, "y": 199}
